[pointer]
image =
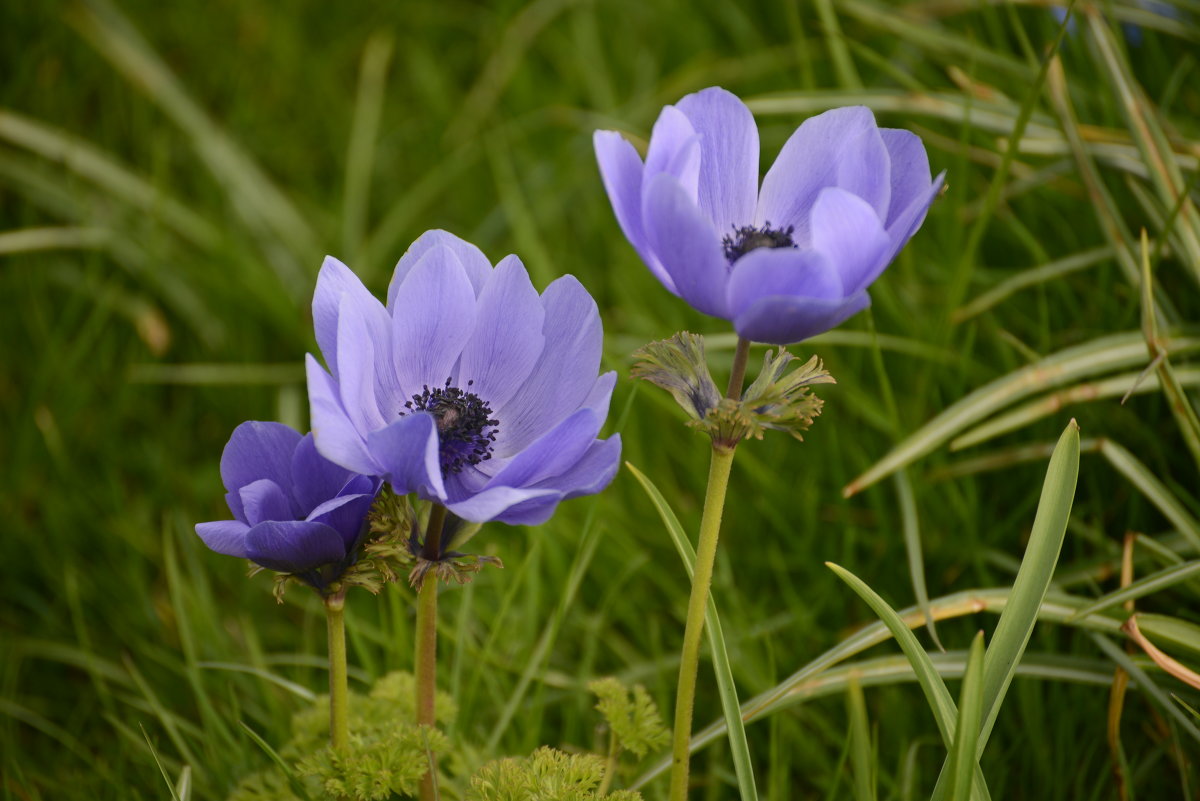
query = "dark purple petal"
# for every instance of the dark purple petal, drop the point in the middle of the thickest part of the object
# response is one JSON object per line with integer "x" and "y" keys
{"x": 334, "y": 282}
{"x": 234, "y": 501}
{"x": 492, "y": 503}
{"x": 782, "y": 272}
{"x": 407, "y": 450}
{"x": 335, "y": 436}
{"x": 565, "y": 372}
{"x": 258, "y": 450}
{"x": 224, "y": 536}
{"x": 847, "y": 232}
{"x": 906, "y": 223}
{"x": 433, "y": 314}
{"x": 357, "y": 348}
{"x": 507, "y": 339}
{"x": 782, "y": 320}
{"x": 553, "y": 453}
{"x": 841, "y": 147}
{"x": 315, "y": 479}
{"x": 266, "y": 500}
{"x": 910, "y": 176}
{"x": 474, "y": 263}
{"x": 687, "y": 244}
{"x": 346, "y": 515}
{"x": 294, "y": 546}
{"x": 729, "y": 156}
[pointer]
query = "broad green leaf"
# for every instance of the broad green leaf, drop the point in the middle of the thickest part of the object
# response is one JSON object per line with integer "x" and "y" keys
{"x": 716, "y": 643}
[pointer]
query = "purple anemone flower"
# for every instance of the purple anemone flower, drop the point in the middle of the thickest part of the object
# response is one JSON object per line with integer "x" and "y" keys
{"x": 789, "y": 260}
{"x": 467, "y": 388}
{"x": 294, "y": 511}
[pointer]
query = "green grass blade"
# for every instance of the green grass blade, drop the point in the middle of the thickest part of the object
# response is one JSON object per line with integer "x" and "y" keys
{"x": 1155, "y": 491}
{"x": 1033, "y": 579}
{"x": 862, "y": 768}
{"x": 1095, "y": 357}
{"x": 364, "y": 129}
{"x": 1144, "y": 586}
{"x": 735, "y": 727}
{"x": 1146, "y": 684}
{"x": 1031, "y": 277}
{"x": 964, "y": 760}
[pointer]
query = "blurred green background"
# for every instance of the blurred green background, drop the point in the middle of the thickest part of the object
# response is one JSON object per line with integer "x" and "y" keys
{"x": 171, "y": 176}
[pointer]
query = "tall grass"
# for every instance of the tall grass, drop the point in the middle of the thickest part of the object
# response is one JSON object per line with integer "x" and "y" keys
{"x": 170, "y": 177}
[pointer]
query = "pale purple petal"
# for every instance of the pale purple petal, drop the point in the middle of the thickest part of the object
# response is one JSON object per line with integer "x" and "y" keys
{"x": 224, "y": 536}
{"x": 314, "y": 478}
{"x": 841, "y": 147}
{"x": 687, "y": 244}
{"x": 258, "y": 450}
{"x": 782, "y": 272}
{"x": 346, "y": 514}
{"x": 357, "y": 373}
{"x": 335, "y": 436}
{"x": 674, "y": 150}
{"x": 910, "y": 175}
{"x": 782, "y": 320}
{"x": 334, "y": 282}
{"x": 621, "y": 171}
{"x": 906, "y": 223}
{"x": 565, "y": 372}
{"x": 492, "y": 503}
{"x": 848, "y": 233}
{"x": 266, "y": 500}
{"x": 474, "y": 263}
{"x": 294, "y": 546}
{"x": 729, "y": 156}
{"x": 507, "y": 339}
{"x": 592, "y": 473}
{"x": 553, "y": 452}
{"x": 433, "y": 314}
{"x": 407, "y": 451}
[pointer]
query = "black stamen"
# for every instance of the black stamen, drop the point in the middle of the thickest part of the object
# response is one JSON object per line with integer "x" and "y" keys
{"x": 466, "y": 428}
{"x": 748, "y": 238}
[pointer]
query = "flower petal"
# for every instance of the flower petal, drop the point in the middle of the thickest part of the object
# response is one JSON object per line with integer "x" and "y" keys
{"x": 258, "y": 450}
{"x": 333, "y": 282}
{"x": 346, "y": 515}
{"x": 782, "y": 272}
{"x": 265, "y": 500}
{"x": 492, "y": 503}
{"x": 357, "y": 350}
{"x": 433, "y": 314}
{"x": 592, "y": 472}
{"x": 729, "y": 156}
{"x": 315, "y": 479}
{"x": 334, "y": 435}
{"x": 224, "y": 536}
{"x": 294, "y": 546}
{"x": 782, "y": 320}
{"x": 674, "y": 150}
{"x": 687, "y": 244}
{"x": 565, "y": 372}
{"x": 407, "y": 451}
{"x": 848, "y": 233}
{"x": 621, "y": 172}
{"x": 906, "y": 223}
{"x": 474, "y": 263}
{"x": 841, "y": 147}
{"x": 507, "y": 339}
{"x": 553, "y": 453}
{"x": 910, "y": 176}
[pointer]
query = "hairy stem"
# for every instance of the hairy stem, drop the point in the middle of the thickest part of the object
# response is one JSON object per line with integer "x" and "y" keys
{"x": 426, "y": 646}
{"x": 706, "y": 552}
{"x": 339, "y": 719}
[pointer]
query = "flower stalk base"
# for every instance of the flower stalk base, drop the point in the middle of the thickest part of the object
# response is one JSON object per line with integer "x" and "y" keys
{"x": 339, "y": 694}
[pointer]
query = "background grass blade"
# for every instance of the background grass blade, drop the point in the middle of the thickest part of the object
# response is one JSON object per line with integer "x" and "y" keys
{"x": 963, "y": 758}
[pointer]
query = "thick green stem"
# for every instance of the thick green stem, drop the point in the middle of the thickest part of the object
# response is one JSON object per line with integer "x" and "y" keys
{"x": 706, "y": 551}
{"x": 339, "y": 693}
{"x": 426, "y": 646}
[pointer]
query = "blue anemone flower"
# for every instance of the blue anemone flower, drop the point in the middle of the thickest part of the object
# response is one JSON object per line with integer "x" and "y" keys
{"x": 785, "y": 262}
{"x": 467, "y": 388}
{"x": 294, "y": 511}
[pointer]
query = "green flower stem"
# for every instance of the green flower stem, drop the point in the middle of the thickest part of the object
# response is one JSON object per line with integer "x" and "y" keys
{"x": 610, "y": 765}
{"x": 706, "y": 552}
{"x": 426, "y": 646}
{"x": 339, "y": 694}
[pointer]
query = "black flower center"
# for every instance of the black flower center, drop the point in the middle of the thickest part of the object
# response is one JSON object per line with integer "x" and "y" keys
{"x": 748, "y": 238}
{"x": 466, "y": 428}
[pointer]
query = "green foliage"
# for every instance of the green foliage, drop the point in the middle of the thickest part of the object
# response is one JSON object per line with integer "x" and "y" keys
{"x": 545, "y": 775}
{"x": 679, "y": 365}
{"x": 385, "y": 760}
{"x": 631, "y": 714}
